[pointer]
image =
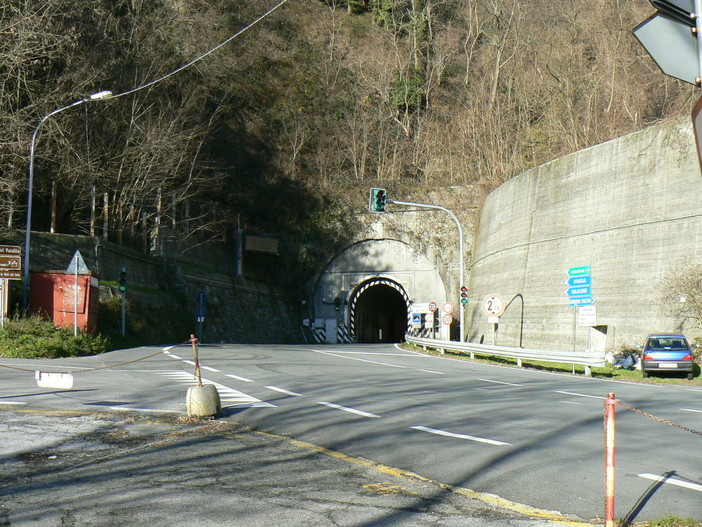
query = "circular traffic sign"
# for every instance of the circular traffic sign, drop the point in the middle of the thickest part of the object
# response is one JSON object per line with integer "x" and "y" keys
{"x": 433, "y": 306}
{"x": 493, "y": 305}
{"x": 447, "y": 319}
{"x": 448, "y": 307}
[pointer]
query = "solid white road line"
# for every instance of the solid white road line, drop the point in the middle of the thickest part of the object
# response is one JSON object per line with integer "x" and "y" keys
{"x": 432, "y": 371}
{"x": 12, "y": 402}
{"x": 501, "y": 382}
{"x": 672, "y": 481}
{"x": 361, "y": 360}
{"x": 460, "y": 436}
{"x": 691, "y": 410}
{"x": 286, "y": 392}
{"x": 346, "y": 409}
{"x": 244, "y": 379}
{"x": 582, "y": 395}
{"x": 368, "y": 353}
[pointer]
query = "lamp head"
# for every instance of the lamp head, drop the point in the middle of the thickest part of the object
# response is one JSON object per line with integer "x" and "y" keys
{"x": 105, "y": 94}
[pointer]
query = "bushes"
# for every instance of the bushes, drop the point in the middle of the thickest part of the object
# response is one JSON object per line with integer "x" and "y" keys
{"x": 34, "y": 337}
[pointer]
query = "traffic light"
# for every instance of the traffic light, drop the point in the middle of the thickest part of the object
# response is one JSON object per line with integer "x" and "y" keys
{"x": 464, "y": 295}
{"x": 378, "y": 200}
{"x": 337, "y": 303}
{"x": 123, "y": 281}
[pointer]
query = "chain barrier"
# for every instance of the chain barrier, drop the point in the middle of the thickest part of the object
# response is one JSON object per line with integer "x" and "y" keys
{"x": 101, "y": 367}
{"x": 659, "y": 419}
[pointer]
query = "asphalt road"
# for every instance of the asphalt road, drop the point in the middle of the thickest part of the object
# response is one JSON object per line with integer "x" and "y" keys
{"x": 530, "y": 438}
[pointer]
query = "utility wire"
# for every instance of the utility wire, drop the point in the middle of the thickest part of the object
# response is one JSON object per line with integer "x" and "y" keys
{"x": 197, "y": 59}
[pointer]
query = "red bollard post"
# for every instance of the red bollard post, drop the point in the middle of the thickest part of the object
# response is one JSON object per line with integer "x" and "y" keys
{"x": 195, "y": 342}
{"x": 610, "y": 449}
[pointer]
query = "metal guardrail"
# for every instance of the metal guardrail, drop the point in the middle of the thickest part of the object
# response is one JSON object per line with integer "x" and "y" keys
{"x": 584, "y": 358}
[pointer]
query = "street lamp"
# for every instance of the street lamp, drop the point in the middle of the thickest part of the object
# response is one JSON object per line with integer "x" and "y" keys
{"x": 106, "y": 94}
{"x": 461, "y": 306}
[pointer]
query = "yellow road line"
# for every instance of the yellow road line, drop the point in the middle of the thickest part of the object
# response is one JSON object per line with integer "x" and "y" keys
{"x": 488, "y": 499}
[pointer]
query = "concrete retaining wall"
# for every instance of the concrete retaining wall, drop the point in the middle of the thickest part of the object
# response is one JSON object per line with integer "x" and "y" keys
{"x": 238, "y": 310}
{"x": 630, "y": 208}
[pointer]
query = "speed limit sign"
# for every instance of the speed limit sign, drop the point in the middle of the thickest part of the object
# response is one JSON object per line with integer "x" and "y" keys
{"x": 493, "y": 305}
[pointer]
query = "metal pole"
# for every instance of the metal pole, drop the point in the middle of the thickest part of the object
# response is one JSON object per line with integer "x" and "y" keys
{"x": 3, "y": 285}
{"x": 124, "y": 313}
{"x": 75, "y": 306}
{"x": 575, "y": 321}
{"x": 460, "y": 255}
{"x": 698, "y": 27}
{"x": 610, "y": 451}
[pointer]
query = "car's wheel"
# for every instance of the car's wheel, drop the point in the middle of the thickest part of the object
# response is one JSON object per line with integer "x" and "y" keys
{"x": 690, "y": 376}
{"x": 644, "y": 373}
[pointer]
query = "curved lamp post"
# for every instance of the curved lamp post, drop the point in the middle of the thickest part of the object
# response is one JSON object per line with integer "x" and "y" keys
{"x": 94, "y": 97}
{"x": 461, "y": 336}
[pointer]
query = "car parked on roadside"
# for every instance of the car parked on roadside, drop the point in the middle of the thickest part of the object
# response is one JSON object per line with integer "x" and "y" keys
{"x": 664, "y": 352}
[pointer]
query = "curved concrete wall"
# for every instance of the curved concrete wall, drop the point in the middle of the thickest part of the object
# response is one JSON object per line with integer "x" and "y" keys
{"x": 630, "y": 208}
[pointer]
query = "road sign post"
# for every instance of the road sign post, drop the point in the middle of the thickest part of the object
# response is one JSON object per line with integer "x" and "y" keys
{"x": 76, "y": 267}
{"x": 201, "y": 312}
{"x": 579, "y": 292}
{"x": 671, "y": 38}
{"x": 493, "y": 306}
{"x": 10, "y": 269}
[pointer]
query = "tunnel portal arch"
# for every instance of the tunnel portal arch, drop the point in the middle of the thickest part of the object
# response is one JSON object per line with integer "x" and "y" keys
{"x": 379, "y": 311}
{"x": 349, "y": 294}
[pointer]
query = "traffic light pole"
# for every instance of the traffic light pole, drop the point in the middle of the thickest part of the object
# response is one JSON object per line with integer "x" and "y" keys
{"x": 460, "y": 254}
{"x": 123, "y": 326}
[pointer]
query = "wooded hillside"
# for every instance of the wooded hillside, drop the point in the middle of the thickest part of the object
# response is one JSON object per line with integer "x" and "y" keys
{"x": 285, "y": 128}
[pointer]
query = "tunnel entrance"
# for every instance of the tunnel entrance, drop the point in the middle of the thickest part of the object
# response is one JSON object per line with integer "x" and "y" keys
{"x": 379, "y": 312}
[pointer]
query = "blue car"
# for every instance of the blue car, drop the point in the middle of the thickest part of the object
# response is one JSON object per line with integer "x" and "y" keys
{"x": 666, "y": 353}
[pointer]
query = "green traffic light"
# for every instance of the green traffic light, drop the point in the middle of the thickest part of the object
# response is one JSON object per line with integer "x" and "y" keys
{"x": 378, "y": 200}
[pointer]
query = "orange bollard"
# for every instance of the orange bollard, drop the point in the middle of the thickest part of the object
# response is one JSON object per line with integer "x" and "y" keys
{"x": 195, "y": 342}
{"x": 610, "y": 450}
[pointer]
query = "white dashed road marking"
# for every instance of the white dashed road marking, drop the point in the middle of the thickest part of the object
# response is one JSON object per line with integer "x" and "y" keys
{"x": 459, "y": 436}
{"x": 286, "y": 392}
{"x": 349, "y": 410}
{"x": 673, "y": 481}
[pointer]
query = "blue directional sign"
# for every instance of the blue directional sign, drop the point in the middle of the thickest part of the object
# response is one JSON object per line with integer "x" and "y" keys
{"x": 580, "y": 286}
{"x": 579, "y": 291}
{"x": 579, "y": 280}
{"x": 577, "y": 271}
{"x": 582, "y": 301}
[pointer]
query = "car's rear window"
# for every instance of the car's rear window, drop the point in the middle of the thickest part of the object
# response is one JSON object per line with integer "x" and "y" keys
{"x": 667, "y": 343}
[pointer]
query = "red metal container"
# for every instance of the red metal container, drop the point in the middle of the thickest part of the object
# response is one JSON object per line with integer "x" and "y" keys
{"x": 53, "y": 294}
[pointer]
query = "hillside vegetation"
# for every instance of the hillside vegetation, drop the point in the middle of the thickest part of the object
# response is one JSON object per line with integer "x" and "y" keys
{"x": 284, "y": 129}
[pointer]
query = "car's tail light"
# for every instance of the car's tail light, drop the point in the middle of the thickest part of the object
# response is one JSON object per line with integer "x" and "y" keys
{"x": 687, "y": 357}
{"x": 648, "y": 357}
